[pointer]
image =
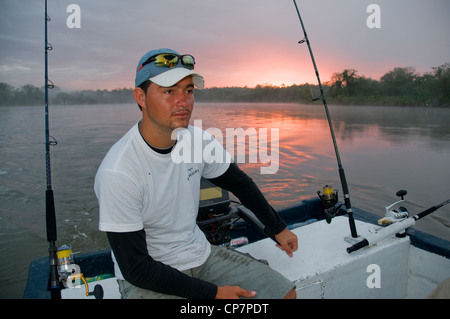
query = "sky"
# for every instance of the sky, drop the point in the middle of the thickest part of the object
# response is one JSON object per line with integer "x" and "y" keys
{"x": 235, "y": 42}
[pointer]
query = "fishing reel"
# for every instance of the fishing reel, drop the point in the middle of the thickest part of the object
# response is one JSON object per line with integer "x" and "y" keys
{"x": 329, "y": 198}
{"x": 396, "y": 211}
{"x": 69, "y": 272}
{"x": 66, "y": 264}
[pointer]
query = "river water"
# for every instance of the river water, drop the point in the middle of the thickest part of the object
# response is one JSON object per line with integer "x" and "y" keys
{"x": 382, "y": 149}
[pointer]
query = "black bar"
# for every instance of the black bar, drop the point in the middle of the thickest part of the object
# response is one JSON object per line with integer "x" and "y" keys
{"x": 361, "y": 244}
{"x": 50, "y": 216}
{"x": 430, "y": 210}
{"x": 348, "y": 205}
{"x": 54, "y": 285}
{"x": 425, "y": 213}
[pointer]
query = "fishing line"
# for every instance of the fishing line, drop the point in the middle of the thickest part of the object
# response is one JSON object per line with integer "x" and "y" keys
{"x": 50, "y": 214}
{"x": 341, "y": 169}
{"x": 397, "y": 227}
{"x": 425, "y": 200}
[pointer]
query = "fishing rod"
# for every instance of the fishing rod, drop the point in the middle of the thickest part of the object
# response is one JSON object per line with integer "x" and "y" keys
{"x": 394, "y": 228}
{"x": 341, "y": 169}
{"x": 50, "y": 214}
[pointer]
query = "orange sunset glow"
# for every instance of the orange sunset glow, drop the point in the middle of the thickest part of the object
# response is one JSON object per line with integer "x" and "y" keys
{"x": 235, "y": 43}
{"x": 260, "y": 70}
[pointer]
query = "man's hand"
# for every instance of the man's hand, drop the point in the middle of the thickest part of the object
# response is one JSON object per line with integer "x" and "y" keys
{"x": 233, "y": 292}
{"x": 288, "y": 241}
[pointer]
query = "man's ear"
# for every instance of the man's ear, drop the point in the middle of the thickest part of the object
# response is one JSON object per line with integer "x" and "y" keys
{"x": 139, "y": 96}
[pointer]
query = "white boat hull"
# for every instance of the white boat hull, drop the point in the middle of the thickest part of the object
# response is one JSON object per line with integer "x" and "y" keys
{"x": 322, "y": 268}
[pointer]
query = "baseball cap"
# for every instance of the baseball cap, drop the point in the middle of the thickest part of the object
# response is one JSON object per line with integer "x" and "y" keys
{"x": 168, "y": 74}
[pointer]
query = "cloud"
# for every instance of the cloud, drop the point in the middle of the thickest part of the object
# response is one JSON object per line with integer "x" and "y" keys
{"x": 235, "y": 42}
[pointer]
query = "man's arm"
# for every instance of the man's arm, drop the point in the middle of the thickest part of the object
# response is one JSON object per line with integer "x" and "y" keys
{"x": 141, "y": 270}
{"x": 243, "y": 187}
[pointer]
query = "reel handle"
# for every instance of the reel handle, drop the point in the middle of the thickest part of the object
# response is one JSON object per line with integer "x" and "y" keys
{"x": 401, "y": 193}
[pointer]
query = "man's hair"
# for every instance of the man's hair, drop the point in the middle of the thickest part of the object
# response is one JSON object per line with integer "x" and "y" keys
{"x": 144, "y": 86}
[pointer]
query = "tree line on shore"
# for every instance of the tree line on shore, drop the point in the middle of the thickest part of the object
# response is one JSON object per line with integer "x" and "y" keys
{"x": 398, "y": 87}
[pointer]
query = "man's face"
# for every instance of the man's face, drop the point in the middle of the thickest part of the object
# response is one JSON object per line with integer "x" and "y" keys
{"x": 170, "y": 107}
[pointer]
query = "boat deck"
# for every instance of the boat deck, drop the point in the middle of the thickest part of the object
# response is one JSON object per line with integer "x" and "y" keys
{"x": 322, "y": 268}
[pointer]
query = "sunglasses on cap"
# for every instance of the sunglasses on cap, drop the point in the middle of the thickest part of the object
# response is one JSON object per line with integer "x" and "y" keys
{"x": 170, "y": 60}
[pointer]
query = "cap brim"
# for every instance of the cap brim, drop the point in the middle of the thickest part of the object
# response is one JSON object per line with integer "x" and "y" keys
{"x": 175, "y": 75}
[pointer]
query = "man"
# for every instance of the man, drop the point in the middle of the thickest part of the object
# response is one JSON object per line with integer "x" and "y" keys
{"x": 149, "y": 201}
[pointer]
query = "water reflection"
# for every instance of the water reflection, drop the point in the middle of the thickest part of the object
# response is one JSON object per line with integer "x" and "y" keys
{"x": 393, "y": 121}
{"x": 383, "y": 149}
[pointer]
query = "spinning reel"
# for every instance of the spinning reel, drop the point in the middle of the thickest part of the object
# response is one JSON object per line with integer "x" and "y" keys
{"x": 395, "y": 212}
{"x": 329, "y": 198}
{"x": 69, "y": 271}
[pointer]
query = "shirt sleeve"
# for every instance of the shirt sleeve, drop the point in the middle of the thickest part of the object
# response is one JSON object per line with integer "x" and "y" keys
{"x": 119, "y": 202}
{"x": 243, "y": 187}
{"x": 141, "y": 270}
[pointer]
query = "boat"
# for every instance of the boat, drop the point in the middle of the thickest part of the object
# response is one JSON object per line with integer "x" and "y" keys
{"x": 343, "y": 252}
{"x": 409, "y": 265}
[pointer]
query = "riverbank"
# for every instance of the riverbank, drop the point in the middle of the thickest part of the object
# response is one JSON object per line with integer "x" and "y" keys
{"x": 399, "y": 87}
